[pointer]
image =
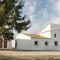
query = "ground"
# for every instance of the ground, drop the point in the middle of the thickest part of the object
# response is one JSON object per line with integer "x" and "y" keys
{"x": 29, "y": 55}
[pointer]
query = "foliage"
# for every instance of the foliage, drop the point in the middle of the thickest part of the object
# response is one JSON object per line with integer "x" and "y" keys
{"x": 10, "y": 18}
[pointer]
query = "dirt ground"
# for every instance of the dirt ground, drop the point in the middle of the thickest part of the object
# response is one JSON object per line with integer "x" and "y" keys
{"x": 30, "y": 55}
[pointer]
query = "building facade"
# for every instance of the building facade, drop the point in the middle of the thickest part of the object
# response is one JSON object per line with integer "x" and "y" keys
{"x": 7, "y": 44}
{"x": 47, "y": 39}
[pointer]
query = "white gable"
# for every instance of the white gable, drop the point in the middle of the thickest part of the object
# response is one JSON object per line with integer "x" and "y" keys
{"x": 46, "y": 32}
{"x": 47, "y": 29}
{"x": 23, "y": 36}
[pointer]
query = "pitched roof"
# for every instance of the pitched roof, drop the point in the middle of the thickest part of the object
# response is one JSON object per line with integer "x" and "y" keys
{"x": 23, "y": 36}
{"x": 35, "y": 36}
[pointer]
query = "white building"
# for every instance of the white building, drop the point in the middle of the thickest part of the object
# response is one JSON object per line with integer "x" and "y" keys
{"x": 10, "y": 44}
{"x": 7, "y": 44}
{"x": 47, "y": 39}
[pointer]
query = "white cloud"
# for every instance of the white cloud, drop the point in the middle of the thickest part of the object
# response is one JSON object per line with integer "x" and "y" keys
{"x": 29, "y": 5}
{"x": 36, "y": 25}
{"x": 56, "y": 20}
{"x": 30, "y": 8}
{"x": 57, "y": 5}
{"x": 51, "y": 1}
{"x": 44, "y": 13}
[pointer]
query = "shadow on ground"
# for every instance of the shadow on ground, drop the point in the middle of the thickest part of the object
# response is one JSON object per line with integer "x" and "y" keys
{"x": 33, "y": 58}
{"x": 12, "y": 58}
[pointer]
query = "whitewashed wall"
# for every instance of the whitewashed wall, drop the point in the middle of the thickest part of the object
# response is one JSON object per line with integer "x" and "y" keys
{"x": 11, "y": 44}
{"x": 25, "y": 44}
{"x": 29, "y": 44}
{"x": 56, "y": 30}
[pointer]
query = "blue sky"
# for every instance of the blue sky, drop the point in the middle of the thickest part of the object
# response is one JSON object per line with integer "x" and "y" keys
{"x": 42, "y": 13}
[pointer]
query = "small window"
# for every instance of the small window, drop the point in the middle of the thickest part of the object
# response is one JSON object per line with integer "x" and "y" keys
{"x": 54, "y": 35}
{"x": 15, "y": 44}
{"x": 46, "y": 43}
{"x": 36, "y": 42}
{"x": 56, "y": 43}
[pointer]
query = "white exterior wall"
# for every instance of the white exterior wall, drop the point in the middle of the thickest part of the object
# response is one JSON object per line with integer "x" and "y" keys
{"x": 56, "y": 30}
{"x": 11, "y": 44}
{"x": 25, "y": 44}
{"x": 29, "y": 44}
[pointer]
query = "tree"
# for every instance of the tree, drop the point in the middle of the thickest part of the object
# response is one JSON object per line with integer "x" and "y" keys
{"x": 10, "y": 18}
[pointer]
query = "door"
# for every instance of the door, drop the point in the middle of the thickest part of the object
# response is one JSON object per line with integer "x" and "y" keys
{"x": 5, "y": 43}
{"x": 0, "y": 42}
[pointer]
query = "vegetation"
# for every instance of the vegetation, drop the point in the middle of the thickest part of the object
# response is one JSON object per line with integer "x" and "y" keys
{"x": 10, "y": 18}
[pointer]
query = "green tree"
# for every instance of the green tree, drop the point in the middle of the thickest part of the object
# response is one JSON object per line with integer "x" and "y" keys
{"x": 10, "y": 18}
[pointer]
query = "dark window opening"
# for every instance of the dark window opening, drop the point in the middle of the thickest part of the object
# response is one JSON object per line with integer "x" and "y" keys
{"x": 15, "y": 44}
{"x": 46, "y": 43}
{"x": 54, "y": 35}
{"x": 56, "y": 43}
{"x": 36, "y": 43}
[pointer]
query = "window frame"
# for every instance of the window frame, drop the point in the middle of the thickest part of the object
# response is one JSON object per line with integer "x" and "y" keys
{"x": 46, "y": 43}
{"x": 35, "y": 42}
{"x": 56, "y": 43}
{"x": 55, "y": 35}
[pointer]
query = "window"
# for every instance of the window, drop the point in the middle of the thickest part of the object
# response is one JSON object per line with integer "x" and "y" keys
{"x": 16, "y": 44}
{"x": 46, "y": 43}
{"x": 36, "y": 42}
{"x": 56, "y": 43}
{"x": 54, "y": 35}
